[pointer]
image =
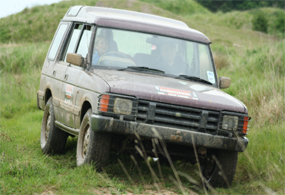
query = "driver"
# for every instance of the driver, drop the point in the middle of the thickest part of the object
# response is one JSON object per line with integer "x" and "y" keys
{"x": 101, "y": 47}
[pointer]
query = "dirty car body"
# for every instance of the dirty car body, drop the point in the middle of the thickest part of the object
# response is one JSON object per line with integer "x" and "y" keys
{"x": 117, "y": 78}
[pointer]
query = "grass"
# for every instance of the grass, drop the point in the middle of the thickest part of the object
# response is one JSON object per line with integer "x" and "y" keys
{"x": 254, "y": 61}
{"x": 37, "y": 23}
{"x": 259, "y": 82}
{"x": 23, "y": 58}
{"x": 25, "y": 170}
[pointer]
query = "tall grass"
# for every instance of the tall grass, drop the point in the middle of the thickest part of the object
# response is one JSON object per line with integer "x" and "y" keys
{"x": 37, "y": 23}
{"x": 254, "y": 62}
{"x": 258, "y": 81}
{"x": 19, "y": 77}
{"x": 261, "y": 167}
{"x": 22, "y": 58}
{"x": 243, "y": 20}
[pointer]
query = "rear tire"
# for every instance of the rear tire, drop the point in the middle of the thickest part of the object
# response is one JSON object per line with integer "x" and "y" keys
{"x": 53, "y": 139}
{"x": 219, "y": 168}
{"x": 92, "y": 147}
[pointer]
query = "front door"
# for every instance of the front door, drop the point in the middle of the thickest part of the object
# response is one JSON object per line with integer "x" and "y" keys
{"x": 78, "y": 43}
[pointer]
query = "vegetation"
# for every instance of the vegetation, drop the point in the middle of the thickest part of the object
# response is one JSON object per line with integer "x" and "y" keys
{"x": 254, "y": 61}
{"x": 260, "y": 23}
{"x": 37, "y": 23}
{"x": 229, "y": 5}
{"x": 185, "y": 7}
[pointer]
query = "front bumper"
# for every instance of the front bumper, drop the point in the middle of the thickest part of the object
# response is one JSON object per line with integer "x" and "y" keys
{"x": 173, "y": 135}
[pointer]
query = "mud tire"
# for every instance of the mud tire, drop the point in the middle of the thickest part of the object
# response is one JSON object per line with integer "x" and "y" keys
{"x": 92, "y": 147}
{"x": 53, "y": 139}
{"x": 219, "y": 168}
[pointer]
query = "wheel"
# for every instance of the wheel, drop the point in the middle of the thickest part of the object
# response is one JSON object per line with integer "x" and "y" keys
{"x": 53, "y": 139}
{"x": 92, "y": 147}
{"x": 219, "y": 168}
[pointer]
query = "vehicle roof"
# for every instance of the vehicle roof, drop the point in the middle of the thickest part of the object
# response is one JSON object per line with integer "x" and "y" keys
{"x": 130, "y": 20}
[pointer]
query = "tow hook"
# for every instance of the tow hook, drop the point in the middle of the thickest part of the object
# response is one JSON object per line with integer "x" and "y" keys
{"x": 202, "y": 151}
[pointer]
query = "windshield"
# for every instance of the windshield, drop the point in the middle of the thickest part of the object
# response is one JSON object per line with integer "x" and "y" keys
{"x": 123, "y": 49}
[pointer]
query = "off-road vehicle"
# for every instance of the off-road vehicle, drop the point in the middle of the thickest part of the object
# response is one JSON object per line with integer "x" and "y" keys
{"x": 125, "y": 81}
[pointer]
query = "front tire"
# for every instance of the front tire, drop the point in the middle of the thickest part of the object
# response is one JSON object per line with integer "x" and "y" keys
{"x": 219, "y": 168}
{"x": 92, "y": 147}
{"x": 53, "y": 139}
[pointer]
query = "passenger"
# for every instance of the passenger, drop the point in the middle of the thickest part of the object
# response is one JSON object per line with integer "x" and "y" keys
{"x": 101, "y": 47}
{"x": 168, "y": 60}
{"x": 168, "y": 53}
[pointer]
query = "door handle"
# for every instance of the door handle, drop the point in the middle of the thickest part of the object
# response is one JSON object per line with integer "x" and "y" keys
{"x": 66, "y": 77}
{"x": 54, "y": 73}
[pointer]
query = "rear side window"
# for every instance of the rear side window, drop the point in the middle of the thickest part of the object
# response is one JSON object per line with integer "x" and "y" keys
{"x": 56, "y": 41}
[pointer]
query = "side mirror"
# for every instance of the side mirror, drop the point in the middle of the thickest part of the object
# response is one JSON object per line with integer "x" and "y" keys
{"x": 75, "y": 59}
{"x": 224, "y": 82}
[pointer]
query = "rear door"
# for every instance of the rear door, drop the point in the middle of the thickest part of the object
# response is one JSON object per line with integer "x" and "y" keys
{"x": 53, "y": 70}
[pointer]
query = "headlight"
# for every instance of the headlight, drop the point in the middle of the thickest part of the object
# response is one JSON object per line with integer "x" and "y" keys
{"x": 123, "y": 106}
{"x": 118, "y": 106}
{"x": 230, "y": 122}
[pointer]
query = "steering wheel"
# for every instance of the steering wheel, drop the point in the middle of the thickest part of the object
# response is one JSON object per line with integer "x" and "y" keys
{"x": 114, "y": 55}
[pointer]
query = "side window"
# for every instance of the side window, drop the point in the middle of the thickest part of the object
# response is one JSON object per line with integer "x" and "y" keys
{"x": 206, "y": 66}
{"x": 70, "y": 48}
{"x": 85, "y": 41}
{"x": 57, "y": 40}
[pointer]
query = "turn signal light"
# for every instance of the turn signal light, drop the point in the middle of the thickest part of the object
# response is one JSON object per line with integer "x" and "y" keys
{"x": 245, "y": 124}
{"x": 104, "y": 102}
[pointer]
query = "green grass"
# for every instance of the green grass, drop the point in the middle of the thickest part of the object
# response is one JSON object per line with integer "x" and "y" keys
{"x": 185, "y": 7}
{"x": 37, "y": 23}
{"x": 254, "y": 61}
{"x": 258, "y": 81}
{"x": 24, "y": 169}
{"x": 23, "y": 58}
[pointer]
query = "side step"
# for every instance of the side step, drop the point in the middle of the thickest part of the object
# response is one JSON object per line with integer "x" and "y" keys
{"x": 67, "y": 129}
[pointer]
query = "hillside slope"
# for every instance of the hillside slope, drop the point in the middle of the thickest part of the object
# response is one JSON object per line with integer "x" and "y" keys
{"x": 37, "y": 23}
{"x": 40, "y": 22}
{"x": 253, "y": 60}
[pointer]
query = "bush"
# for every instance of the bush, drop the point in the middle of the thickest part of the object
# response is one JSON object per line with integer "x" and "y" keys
{"x": 259, "y": 22}
{"x": 279, "y": 24}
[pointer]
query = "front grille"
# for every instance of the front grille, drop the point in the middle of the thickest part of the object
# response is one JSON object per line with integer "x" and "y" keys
{"x": 182, "y": 117}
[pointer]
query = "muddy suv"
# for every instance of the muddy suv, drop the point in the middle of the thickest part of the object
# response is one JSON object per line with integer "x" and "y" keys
{"x": 131, "y": 82}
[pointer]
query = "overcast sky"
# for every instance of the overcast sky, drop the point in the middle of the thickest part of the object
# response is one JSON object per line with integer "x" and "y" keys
{"x": 8, "y": 7}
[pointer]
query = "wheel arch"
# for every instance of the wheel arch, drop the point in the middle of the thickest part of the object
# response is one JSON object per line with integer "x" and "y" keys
{"x": 48, "y": 94}
{"x": 85, "y": 106}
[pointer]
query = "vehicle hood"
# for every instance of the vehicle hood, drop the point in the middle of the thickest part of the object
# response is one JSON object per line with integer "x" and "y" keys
{"x": 170, "y": 90}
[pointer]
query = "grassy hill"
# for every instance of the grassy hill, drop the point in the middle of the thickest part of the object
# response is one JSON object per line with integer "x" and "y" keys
{"x": 39, "y": 23}
{"x": 253, "y": 60}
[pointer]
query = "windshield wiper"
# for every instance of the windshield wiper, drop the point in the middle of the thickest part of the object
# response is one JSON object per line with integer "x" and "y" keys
{"x": 193, "y": 78}
{"x": 142, "y": 68}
